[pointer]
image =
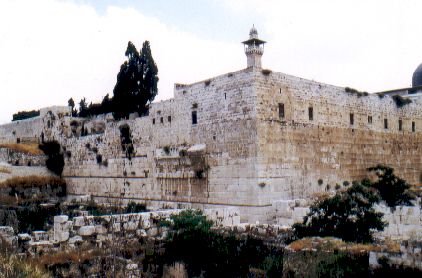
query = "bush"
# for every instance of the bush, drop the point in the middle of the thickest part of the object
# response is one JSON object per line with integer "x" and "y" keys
{"x": 401, "y": 101}
{"x": 22, "y": 115}
{"x": 348, "y": 215}
{"x": 206, "y": 251}
{"x": 393, "y": 190}
{"x": 55, "y": 160}
{"x": 133, "y": 207}
{"x": 356, "y": 92}
{"x": 266, "y": 71}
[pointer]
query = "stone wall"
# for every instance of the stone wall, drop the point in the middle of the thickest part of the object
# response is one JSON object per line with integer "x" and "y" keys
{"x": 143, "y": 224}
{"x": 239, "y": 152}
{"x": 296, "y": 152}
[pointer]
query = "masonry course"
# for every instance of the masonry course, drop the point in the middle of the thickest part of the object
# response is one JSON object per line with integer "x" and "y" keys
{"x": 248, "y": 139}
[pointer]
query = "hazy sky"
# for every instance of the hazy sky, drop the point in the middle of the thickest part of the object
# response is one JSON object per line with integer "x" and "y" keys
{"x": 52, "y": 50}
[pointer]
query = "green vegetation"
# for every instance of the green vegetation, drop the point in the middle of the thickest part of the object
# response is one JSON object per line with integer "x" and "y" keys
{"x": 393, "y": 190}
{"x": 206, "y": 251}
{"x": 22, "y": 115}
{"x": 55, "y": 160}
{"x": 356, "y": 92}
{"x": 348, "y": 215}
{"x": 135, "y": 89}
{"x": 401, "y": 101}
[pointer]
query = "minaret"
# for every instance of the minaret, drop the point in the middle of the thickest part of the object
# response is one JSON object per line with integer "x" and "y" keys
{"x": 254, "y": 48}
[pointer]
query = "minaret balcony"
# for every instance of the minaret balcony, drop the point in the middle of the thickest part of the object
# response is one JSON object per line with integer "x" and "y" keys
{"x": 254, "y": 49}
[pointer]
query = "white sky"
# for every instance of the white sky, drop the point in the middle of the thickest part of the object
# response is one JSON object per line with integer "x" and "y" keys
{"x": 53, "y": 50}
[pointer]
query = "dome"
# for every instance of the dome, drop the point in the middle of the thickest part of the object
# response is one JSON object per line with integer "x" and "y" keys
{"x": 253, "y": 33}
{"x": 417, "y": 77}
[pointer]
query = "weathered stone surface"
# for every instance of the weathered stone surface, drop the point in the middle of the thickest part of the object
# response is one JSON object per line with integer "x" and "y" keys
{"x": 86, "y": 230}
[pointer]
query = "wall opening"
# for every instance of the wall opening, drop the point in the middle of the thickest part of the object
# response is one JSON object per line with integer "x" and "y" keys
{"x": 400, "y": 125}
{"x": 413, "y": 126}
{"x": 385, "y": 124}
{"x": 369, "y": 119}
{"x": 311, "y": 113}
{"x": 161, "y": 120}
{"x": 169, "y": 119}
{"x": 194, "y": 118}
{"x": 352, "y": 119}
{"x": 153, "y": 121}
{"x": 281, "y": 110}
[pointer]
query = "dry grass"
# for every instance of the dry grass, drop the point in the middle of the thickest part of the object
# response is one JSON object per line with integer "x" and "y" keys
{"x": 62, "y": 257}
{"x": 5, "y": 170}
{"x": 32, "y": 181}
{"x": 333, "y": 244}
{"x": 12, "y": 266}
{"x": 27, "y": 148}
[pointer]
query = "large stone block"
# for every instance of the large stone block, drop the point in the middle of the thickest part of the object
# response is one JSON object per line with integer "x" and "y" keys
{"x": 86, "y": 230}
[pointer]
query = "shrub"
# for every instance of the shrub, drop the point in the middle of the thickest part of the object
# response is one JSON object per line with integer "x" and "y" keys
{"x": 346, "y": 183}
{"x": 348, "y": 215}
{"x": 55, "y": 160}
{"x": 393, "y": 190}
{"x": 203, "y": 250}
{"x": 207, "y": 82}
{"x": 320, "y": 181}
{"x": 266, "y": 71}
{"x": 22, "y": 115}
{"x": 133, "y": 207}
{"x": 401, "y": 101}
{"x": 356, "y": 92}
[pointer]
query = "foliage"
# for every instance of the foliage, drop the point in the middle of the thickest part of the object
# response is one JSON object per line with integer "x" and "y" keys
{"x": 206, "y": 251}
{"x": 55, "y": 160}
{"x": 71, "y": 103}
{"x": 126, "y": 140}
{"x": 401, "y": 101}
{"x": 393, "y": 190}
{"x": 266, "y": 71}
{"x": 22, "y": 115}
{"x": 386, "y": 269}
{"x": 137, "y": 80}
{"x": 133, "y": 207}
{"x": 348, "y": 215}
{"x": 343, "y": 265}
{"x": 356, "y": 92}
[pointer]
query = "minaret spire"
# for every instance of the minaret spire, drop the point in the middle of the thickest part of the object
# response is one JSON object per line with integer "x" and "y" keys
{"x": 254, "y": 49}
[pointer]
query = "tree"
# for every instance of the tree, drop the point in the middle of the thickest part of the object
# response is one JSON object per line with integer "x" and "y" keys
{"x": 348, "y": 215}
{"x": 71, "y": 103}
{"x": 393, "y": 190}
{"x": 136, "y": 84}
{"x": 22, "y": 115}
{"x": 83, "y": 108}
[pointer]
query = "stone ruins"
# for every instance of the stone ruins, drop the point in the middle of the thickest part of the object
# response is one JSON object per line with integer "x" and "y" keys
{"x": 259, "y": 141}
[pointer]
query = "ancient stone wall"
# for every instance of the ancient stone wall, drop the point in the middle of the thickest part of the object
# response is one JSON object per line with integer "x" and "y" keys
{"x": 227, "y": 141}
{"x": 299, "y": 156}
